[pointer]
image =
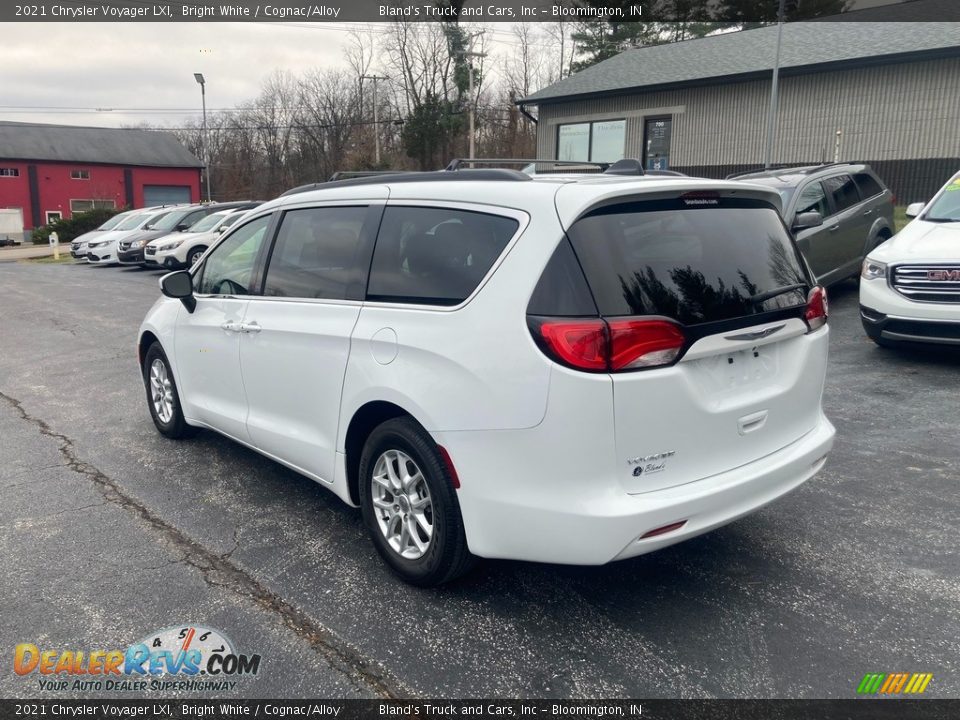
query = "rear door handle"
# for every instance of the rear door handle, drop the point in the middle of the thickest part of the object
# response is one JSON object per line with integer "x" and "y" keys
{"x": 867, "y": 212}
{"x": 250, "y": 327}
{"x": 231, "y": 326}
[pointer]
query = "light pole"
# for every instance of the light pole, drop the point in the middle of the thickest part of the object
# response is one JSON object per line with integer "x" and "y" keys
{"x": 772, "y": 112}
{"x": 203, "y": 96}
{"x": 376, "y": 115}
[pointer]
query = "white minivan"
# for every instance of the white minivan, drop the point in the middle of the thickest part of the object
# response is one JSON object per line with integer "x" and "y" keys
{"x": 564, "y": 369}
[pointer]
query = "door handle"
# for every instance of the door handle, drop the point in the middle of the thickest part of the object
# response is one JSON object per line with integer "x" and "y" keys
{"x": 231, "y": 326}
{"x": 867, "y": 212}
{"x": 250, "y": 327}
{"x": 835, "y": 228}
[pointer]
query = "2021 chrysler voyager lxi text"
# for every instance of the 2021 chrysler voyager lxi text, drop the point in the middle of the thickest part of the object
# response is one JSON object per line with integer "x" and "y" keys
{"x": 560, "y": 369}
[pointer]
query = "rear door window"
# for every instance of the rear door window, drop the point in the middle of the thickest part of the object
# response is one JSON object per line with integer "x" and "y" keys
{"x": 867, "y": 184}
{"x": 843, "y": 191}
{"x": 435, "y": 256}
{"x": 316, "y": 254}
{"x": 720, "y": 260}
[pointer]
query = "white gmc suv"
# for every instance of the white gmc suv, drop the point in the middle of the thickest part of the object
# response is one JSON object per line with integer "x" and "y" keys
{"x": 910, "y": 285}
{"x": 564, "y": 369}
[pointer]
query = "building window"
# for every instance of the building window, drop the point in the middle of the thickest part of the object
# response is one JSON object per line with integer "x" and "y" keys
{"x": 53, "y": 216}
{"x": 601, "y": 141}
{"x": 9, "y": 172}
{"x": 77, "y": 206}
{"x": 79, "y": 174}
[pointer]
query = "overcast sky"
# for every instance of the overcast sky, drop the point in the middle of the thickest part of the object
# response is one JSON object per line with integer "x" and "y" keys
{"x": 151, "y": 65}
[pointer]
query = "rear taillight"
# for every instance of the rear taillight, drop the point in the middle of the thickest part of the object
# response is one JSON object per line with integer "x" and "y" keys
{"x": 598, "y": 345}
{"x": 816, "y": 312}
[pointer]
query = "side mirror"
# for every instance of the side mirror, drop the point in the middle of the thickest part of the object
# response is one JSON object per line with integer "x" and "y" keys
{"x": 223, "y": 228}
{"x": 182, "y": 226}
{"x": 913, "y": 209}
{"x": 807, "y": 220}
{"x": 179, "y": 285}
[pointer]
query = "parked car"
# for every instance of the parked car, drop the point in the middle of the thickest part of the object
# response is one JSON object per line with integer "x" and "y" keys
{"x": 78, "y": 247}
{"x": 565, "y": 369}
{"x": 103, "y": 250}
{"x": 910, "y": 286}
{"x": 855, "y": 213}
{"x": 182, "y": 250}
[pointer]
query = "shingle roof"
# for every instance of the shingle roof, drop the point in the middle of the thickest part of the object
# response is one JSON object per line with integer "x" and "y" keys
{"x": 67, "y": 143}
{"x": 805, "y": 44}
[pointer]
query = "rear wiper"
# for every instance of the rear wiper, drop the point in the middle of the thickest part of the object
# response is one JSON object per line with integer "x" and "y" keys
{"x": 760, "y": 297}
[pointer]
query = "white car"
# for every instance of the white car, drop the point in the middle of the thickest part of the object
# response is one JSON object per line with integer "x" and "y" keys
{"x": 910, "y": 285}
{"x": 78, "y": 247}
{"x": 183, "y": 249}
{"x": 103, "y": 251}
{"x": 557, "y": 369}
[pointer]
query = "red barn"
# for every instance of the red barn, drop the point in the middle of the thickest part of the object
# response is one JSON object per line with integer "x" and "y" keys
{"x": 51, "y": 171}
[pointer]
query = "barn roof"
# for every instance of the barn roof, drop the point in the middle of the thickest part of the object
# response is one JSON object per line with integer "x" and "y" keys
{"x": 112, "y": 146}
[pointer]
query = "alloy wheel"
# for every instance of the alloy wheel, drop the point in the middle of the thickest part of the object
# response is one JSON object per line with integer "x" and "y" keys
{"x": 402, "y": 504}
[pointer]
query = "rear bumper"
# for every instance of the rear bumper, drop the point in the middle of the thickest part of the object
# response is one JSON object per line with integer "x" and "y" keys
{"x": 583, "y": 527}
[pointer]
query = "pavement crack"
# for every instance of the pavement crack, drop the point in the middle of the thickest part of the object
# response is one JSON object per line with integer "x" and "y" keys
{"x": 221, "y": 572}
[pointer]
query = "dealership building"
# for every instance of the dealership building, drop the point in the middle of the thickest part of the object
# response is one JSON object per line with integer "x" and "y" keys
{"x": 886, "y": 93}
{"x": 52, "y": 171}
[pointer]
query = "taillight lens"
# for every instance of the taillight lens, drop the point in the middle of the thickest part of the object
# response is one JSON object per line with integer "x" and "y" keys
{"x": 643, "y": 343}
{"x": 816, "y": 313}
{"x": 598, "y": 345}
{"x": 578, "y": 343}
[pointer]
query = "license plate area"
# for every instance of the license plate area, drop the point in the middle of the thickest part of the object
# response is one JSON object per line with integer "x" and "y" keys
{"x": 724, "y": 374}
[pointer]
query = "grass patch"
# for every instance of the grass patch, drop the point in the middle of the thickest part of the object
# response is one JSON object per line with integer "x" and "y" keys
{"x": 899, "y": 217}
{"x": 49, "y": 260}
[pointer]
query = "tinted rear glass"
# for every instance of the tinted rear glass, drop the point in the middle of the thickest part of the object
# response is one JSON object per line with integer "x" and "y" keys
{"x": 867, "y": 184}
{"x": 435, "y": 256}
{"x": 693, "y": 264}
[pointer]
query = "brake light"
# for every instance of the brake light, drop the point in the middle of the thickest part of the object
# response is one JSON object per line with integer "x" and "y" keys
{"x": 578, "y": 343}
{"x": 598, "y": 345}
{"x": 816, "y": 313}
{"x": 643, "y": 343}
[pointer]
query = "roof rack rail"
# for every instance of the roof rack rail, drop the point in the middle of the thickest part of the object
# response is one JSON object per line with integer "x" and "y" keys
{"x": 456, "y": 163}
{"x": 417, "y": 176}
{"x": 798, "y": 168}
{"x": 351, "y": 174}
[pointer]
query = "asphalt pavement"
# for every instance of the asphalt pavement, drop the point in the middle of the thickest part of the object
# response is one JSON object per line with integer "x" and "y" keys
{"x": 109, "y": 531}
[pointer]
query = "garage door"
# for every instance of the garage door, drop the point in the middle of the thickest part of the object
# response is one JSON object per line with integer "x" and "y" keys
{"x": 165, "y": 194}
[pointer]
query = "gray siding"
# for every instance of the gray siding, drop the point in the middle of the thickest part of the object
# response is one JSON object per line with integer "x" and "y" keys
{"x": 907, "y": 111}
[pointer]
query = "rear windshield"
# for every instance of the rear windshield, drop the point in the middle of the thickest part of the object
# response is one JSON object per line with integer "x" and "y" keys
{"x": 714, "y": 261}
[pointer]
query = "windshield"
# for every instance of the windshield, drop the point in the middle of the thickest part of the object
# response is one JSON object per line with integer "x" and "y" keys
{"x": 133, "y": 222}
{"x": 786, "y": 191}
{"x": 946, "y": 208}
{"x": 114, "y": 221}
{"x": 208, "y": 223}
{"x": 170, "y": 220}
{"x": 152, "y": 223}
{"x": 231, "y": 219}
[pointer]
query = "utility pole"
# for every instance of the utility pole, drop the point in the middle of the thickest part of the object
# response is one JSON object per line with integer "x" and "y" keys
{"x": 469, "y": 55}
{"x": 772, "y": 112}
{"x": 376, "y": 114}
{"x": 206, "y": 140}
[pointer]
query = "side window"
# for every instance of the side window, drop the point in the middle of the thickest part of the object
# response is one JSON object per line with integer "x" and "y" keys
{"x": 843, "y": 192}
{"x": 813, "y": 199}
{"x": 229, "y": 267}
{"x": 435, "y": 256}
{"x": 867, "y": 184}
{"x": 315, "y": 255}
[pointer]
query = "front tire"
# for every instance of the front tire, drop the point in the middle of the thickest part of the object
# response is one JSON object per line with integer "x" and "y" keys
{"x": 410, "y": 507}
{"x": 194, "y": 256}
{"x": 163, "y": 399}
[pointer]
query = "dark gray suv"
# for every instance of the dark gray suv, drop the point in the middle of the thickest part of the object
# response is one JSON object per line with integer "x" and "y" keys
{"x": 855, "y": 211}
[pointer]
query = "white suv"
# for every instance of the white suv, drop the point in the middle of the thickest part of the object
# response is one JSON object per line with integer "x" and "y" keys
{"x": 559, "y": 369}
{"x": 910, "y": 285}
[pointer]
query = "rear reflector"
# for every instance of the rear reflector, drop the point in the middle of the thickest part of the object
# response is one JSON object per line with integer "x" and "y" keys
{"x": 816, "y": 312}
{"x": 598, "y": 345}
{"x": 448, "y": 464}
{"x": 664, "y": 530}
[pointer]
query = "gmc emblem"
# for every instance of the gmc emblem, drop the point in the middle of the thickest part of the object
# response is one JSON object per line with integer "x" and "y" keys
{"x": 939, "y": 275}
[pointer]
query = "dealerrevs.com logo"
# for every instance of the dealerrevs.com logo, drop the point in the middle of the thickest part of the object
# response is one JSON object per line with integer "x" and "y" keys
{"x": 187, "y": 657}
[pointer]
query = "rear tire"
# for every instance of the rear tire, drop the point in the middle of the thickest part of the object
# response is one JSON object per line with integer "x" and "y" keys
{"x": 163, "y": 399}
{"x": 410, "y": 506}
